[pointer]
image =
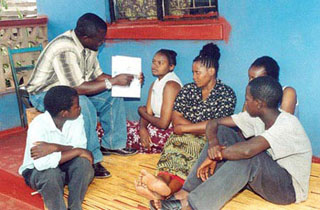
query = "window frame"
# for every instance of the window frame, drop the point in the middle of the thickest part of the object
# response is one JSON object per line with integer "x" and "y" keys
{"x": 185, "y": 27}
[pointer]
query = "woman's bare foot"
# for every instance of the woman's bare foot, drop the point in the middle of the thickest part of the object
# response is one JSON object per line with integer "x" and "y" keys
{"x": 181, "y": 194}
{"x": 154, "y": 183}
{"x": 145, "y": 192}
{"x": 157, "y": 204}
{"x": 185, "y": 204}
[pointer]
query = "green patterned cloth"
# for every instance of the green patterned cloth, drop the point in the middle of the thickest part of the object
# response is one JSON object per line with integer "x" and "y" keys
{"x": 137, "y": 9}
{"x": 147, "y": 9}
{"x": 180, "y": 153}
{"x": 178, "y": 7}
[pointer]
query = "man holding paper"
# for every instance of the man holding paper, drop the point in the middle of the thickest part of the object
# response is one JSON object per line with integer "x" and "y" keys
{"x": 71, "y": 59}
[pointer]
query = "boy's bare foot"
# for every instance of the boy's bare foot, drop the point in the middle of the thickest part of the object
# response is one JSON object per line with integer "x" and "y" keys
{"x": 145, "y": 192}
{"x": 155, "y": 184}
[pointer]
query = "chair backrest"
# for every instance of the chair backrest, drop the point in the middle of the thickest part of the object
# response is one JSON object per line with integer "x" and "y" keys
{"x": 18, "y": 67}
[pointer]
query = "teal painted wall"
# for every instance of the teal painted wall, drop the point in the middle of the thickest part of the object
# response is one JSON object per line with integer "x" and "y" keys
{"x": 286, "y": 30}
{"x": 9, "y": 111}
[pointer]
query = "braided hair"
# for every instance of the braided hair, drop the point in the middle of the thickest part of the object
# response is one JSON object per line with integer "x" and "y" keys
{"x": 209, "y": 56}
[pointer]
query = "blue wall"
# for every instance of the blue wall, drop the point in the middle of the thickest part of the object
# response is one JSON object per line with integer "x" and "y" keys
{"x": 286, "y": 30}
{"x": 9, "y": 111}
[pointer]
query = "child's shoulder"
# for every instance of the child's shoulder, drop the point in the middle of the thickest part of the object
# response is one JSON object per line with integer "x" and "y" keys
{"x": 288, "y": 120}
{"x": 40, "y": 120}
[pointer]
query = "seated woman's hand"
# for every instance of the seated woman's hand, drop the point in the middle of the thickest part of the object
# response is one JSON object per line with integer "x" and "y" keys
{"x": 145, "y": 138}
{"x": 207, "y": 166}
{"x": 142, "y": 109}
{"x": 141, "y": 78}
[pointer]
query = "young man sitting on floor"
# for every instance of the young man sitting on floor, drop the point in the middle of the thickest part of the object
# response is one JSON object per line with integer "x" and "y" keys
{"x": 275, "y": 162}
{"x": 55, "y": 152}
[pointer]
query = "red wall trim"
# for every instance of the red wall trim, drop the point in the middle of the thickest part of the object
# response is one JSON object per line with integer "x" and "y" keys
{"x": 201, "y": 29}
{"x": 315, "y": 159}
{"x": 11, "y": 131}
{"x": 40, "y": 20}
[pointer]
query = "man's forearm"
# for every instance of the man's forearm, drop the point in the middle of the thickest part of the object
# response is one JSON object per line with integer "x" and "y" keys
{"x": 195, "y": 128}
{"x": 155, "y": 120}
{"x": 91, "y": 88}
{"x": 102, "y": 77}
{"x": 211, "y": 132}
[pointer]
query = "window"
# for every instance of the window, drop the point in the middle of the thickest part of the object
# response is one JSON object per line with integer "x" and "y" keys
{"x": 19, "y": 27}
{"x": 17, "y": 9}
{"x": 166, "y": 20}
{"x": 162, "y": 9}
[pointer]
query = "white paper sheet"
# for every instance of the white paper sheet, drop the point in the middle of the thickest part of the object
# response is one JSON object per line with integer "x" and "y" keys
{"x": 126, "y": 65}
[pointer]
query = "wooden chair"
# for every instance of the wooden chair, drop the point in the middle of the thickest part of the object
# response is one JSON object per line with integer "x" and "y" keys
{"x": 19, "y": 65}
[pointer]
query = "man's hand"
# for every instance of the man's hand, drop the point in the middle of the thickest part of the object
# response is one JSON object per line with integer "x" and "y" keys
{"x": 142, "y": 109}
{"x": 207, "y": 166}
{"x": 215, "y": 152}
{"x": 42, "y": 149}
{"x": 86, "y": 154}
{"x": 122, "y": 79}
{"x": 178, "y": 129}
{"x": 145, "y": 138}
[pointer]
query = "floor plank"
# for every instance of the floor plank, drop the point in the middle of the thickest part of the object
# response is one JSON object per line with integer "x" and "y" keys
{"x": 118, "y": 193}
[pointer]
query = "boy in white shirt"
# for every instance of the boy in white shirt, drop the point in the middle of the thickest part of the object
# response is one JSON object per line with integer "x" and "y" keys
{"x": 275, "y": 162}
{"x": 55, "y": 153}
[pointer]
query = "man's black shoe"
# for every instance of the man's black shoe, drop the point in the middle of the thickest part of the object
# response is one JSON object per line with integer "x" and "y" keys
{"x": 100, "y": 171}
{"x": 123, "y": 152}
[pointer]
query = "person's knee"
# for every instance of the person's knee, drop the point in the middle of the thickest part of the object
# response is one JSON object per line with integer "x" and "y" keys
{"x": 49, "y": 179}
{"x": 228, "y": 136}
{"x": 84, "y": 167}
{"x": 37, "y": 101}
{"x": 51, "y": 174}
{"x": 223, "y": 129}
{"x": 85, "y": 103}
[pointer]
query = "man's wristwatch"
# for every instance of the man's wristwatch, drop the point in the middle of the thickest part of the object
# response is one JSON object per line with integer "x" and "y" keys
{"x": 108, "y": 84}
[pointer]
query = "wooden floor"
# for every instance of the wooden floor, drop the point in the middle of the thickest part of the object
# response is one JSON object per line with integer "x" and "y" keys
{"x": 118, "y": 191}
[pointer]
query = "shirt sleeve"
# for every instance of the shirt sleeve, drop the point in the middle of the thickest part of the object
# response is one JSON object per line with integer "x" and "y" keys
{"x": 35, "y": 133}
{"x": 97, "y": 71}
{"x": 67, "y": 69}
{"x": 242, "y": 120}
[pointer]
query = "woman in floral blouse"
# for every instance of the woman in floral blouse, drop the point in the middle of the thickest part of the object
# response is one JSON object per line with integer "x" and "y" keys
{"x": 207, "y": 98}
{"x": 152, "y": 131}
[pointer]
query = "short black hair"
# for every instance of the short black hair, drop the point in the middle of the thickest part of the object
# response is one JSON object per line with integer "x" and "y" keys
{"x": 59, "y": 98}
{"x": 270, "y": 66}
{"x": 170, "y": 54}
{"x": 89, "y": 25}
{"x": 266, "y": 89}
{"x": 209, "y": 56}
